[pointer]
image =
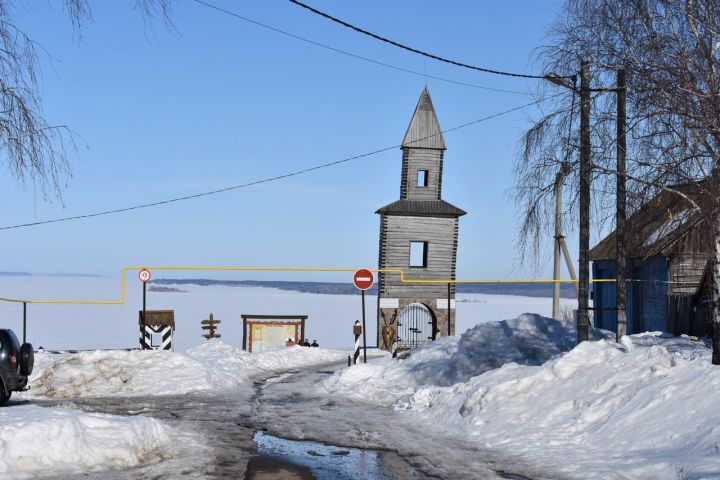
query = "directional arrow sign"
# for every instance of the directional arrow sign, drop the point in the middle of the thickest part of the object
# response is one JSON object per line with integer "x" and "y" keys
{"x": 363, "y": 279}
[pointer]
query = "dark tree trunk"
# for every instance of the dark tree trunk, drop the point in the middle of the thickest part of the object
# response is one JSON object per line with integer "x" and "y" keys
{"x": 714, "y": 314}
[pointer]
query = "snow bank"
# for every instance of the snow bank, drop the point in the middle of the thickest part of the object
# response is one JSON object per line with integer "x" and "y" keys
{"x": 211, "y": 365}
{"x": 529, "y": 339}
{"x": 643, "y": 408}
{"x": 228, "y": 366}
{"x": 37, "y": 441}
{"x": 117, "y": 372}
{"x": 607, "y": 412}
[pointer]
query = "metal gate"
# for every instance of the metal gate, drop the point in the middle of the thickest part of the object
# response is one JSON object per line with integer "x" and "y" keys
{"x": 415, "y": 326}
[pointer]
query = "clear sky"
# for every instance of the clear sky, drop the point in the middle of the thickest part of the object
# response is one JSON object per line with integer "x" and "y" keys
{"x": 222, "y": 102}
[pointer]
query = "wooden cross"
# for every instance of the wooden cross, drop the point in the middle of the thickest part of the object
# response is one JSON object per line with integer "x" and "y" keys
{"x": 210, "y": 324}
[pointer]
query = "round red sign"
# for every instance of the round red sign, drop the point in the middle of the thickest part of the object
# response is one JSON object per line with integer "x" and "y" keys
{"x": 363, "y": 279}
{"x": 144, "y": 275}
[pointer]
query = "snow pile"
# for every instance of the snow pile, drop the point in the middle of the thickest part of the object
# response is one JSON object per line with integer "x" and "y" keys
{"x": 641, "y": 408}
{"x": 529, "y": 339}
{"x": 51, "y": 441}
{"x": 228, "y": 366}
{"x": 608, "y": 412}
{"x": 117, "y": 372}
{"x": 211, "y": 365}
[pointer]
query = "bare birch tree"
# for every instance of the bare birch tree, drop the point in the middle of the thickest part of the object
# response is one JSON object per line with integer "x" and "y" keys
{"x": 30, "y": 145}
{"x": 670, "y": 50}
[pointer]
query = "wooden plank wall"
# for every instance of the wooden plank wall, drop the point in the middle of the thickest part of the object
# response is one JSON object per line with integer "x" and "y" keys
{"x": 686, "y": 269}
{"x": 396, "y": 234}
{"x": 421, "y": 159}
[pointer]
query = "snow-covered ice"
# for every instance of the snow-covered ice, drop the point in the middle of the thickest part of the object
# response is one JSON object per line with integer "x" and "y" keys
{"x": 330, "y": 317}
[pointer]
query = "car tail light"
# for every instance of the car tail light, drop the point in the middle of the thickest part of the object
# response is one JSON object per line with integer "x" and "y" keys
{"x": 13, "y": 359}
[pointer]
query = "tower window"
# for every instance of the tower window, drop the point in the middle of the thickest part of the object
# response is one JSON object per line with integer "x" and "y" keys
{"x": 418, "y": 254}
{"x": 422, "y": 179}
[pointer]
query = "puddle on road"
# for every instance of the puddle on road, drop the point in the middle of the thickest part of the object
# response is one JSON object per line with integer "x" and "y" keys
{"x": 320, "y": 461}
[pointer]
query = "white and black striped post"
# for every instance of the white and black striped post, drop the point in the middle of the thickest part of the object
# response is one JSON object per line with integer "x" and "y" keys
{"x": 357, "y": 331}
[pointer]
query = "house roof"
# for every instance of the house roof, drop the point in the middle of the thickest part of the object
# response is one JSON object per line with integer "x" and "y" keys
{"x": 662, "y": 225}
{"x": 422, "y": 208}
{"x": 424, "y": 129}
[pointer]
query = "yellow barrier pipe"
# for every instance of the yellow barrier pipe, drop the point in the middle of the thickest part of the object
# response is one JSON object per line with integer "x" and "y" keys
{"x": 123, "y": 288}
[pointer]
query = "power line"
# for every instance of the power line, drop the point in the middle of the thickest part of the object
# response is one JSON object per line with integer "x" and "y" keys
{"x": 353, "y": 55}
{"x": 264, "y": 180}
{"x": 415, "y": 50}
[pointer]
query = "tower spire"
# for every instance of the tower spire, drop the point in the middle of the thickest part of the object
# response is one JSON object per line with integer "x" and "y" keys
{"x": 424, "y": 129}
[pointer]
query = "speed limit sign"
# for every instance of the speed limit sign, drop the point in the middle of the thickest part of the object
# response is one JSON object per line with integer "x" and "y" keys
{"x": 144, "y": 275}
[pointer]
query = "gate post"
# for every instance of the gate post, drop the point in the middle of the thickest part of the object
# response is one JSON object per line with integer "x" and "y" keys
{"x": 449, "y": 313}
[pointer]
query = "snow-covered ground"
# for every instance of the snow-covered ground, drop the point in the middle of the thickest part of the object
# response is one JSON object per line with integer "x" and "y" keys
{"x": 115, "y": 326}
{"x": 213, "y": 365}
{"x": 38, "y": 441}
{"x": 516, "y": 385}
{"x": 645, "y": 408}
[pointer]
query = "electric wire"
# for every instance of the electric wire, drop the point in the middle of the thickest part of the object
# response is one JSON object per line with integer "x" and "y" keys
{"x": 415, "y": 50}
{"x": 354, "y": 55}
{"x": 264, "y": 180}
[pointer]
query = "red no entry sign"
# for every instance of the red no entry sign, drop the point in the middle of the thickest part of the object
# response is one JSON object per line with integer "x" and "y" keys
{"x": 363, "y": 279}
{"x": 144, "y": 275}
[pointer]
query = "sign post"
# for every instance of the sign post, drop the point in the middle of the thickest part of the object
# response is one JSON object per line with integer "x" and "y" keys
{"x": 363, "y": 279}
{"x": 144, "y": 276}
{"x": 357, "y": 330}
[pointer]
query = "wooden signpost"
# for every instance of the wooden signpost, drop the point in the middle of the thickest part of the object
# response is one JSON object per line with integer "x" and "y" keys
{"x": 211, "y": 325}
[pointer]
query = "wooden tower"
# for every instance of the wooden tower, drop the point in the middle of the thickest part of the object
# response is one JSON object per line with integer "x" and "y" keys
{"x": 418, "y": 235}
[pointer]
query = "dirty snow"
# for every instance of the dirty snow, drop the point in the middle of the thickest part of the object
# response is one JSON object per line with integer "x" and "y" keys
{"x": 211, "y": 365}
{"x": 643, "y": 408}
{"x": 529, "y": 339}
{"x": 37, "y": 441}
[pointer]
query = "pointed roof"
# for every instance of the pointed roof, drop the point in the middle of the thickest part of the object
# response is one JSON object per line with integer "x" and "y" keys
{"x": 424, "y": 129}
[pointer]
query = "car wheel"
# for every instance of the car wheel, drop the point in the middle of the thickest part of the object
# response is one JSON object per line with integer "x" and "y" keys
{"x": 4, "y": 397}
{"x": 27, "y": 359}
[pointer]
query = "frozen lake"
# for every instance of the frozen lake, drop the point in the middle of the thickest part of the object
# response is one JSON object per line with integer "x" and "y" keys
{"x": 116, "y": 326}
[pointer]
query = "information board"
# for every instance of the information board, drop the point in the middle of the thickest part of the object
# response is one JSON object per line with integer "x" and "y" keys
{"x": 266, "y": 336}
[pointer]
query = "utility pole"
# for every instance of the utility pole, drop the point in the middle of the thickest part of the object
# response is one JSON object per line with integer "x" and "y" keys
{"x": 621, "y": 214}
{"x": 556, "y": 254}
{"x": 584, "y": 247}
{"x": 560, "y": 245}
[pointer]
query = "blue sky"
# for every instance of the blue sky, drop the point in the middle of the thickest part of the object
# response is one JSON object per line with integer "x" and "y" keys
{"x": 222, "y": 102}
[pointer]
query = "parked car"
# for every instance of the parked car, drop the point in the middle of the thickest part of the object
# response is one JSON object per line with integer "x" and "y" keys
{"x": 16, "y": 364}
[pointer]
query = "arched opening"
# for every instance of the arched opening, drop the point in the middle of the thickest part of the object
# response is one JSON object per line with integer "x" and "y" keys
{"x": 415, "y": 326}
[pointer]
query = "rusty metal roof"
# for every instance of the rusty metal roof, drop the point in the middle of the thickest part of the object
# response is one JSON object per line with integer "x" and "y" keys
{"x": 424, "y": 129}
{"x": 422, "y": 208}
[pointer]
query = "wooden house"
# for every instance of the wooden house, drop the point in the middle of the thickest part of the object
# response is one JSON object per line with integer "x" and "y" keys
{"x": 418, "y": 235}
{"x": 668, "y": 248}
